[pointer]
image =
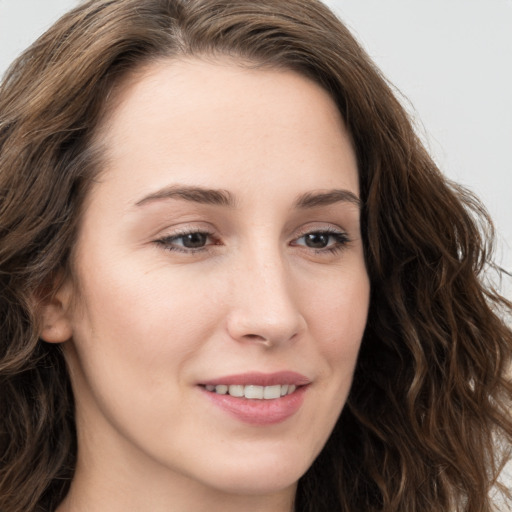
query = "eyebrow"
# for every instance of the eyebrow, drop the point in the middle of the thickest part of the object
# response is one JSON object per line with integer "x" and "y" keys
{"x": 194, "y": 194}
{"x": 326, "y": 198}
{"x": 221, "y": 197}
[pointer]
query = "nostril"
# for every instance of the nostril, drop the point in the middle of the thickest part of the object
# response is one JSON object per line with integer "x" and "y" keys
{"x": 259, "y": 339}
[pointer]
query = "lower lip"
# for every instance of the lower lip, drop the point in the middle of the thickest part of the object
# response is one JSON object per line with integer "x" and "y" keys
{"x": 259, "y": 412}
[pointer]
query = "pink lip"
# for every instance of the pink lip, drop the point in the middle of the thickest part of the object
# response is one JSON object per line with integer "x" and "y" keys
{"x": 260, "y": 379}
{"x": 260, "y": 412}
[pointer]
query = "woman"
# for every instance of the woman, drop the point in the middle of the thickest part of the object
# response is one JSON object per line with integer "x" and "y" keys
{"x": 232, "y": 278}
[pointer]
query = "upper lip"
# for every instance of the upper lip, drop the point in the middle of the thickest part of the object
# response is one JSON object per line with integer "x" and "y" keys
{"x": 260, "y": 379}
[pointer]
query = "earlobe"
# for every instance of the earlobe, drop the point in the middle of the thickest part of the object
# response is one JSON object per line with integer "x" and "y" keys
{"x": 55, "y": 322}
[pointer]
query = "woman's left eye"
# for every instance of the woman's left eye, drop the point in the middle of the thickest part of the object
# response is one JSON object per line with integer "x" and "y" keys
{"x": 323, "y": 240}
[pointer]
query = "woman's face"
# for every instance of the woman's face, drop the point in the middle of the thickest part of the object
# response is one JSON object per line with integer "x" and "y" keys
{"x": 219, "y": 254}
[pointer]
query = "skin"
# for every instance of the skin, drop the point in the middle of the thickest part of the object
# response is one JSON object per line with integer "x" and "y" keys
{"x": 146, "y": 318}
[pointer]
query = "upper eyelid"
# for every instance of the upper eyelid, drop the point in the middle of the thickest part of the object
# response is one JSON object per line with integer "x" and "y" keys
{"x": 327, "y": 228}
{"x": 299, "y": 233}
{"x": 320, "y": 229}
{"x": 302, "y": 231}
{"x": 184, "y": 231}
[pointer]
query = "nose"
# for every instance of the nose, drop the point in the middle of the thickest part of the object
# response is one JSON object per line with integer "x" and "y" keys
{"x": 263, "y": 307}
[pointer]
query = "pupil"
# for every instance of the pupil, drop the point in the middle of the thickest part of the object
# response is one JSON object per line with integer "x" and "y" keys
{"x": 317, "y": 240}
{"x": 194, "y": 240}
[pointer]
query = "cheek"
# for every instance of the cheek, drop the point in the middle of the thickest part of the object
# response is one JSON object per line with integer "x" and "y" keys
{"x": 134, "y": 332}
{"x": 339, "y": 323}
{"x": 337, "y": 319}
{"x": 339, "y": 315}
{"x": 136, "y": 308}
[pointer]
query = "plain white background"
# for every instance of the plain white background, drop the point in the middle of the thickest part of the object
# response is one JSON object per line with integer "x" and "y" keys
{"x": 450, "y": 59}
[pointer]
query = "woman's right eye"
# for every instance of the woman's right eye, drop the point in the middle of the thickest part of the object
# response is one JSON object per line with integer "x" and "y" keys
{"x": 193, "y": 241}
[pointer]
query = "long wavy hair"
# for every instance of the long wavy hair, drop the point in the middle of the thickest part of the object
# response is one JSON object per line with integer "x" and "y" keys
{"x": 427, "y": 423}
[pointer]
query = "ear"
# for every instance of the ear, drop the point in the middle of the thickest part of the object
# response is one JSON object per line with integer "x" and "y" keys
{"x": 54, "y": 315}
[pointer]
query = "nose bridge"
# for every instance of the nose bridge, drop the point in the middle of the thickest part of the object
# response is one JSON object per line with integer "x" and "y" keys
{"x": 263, "y": 305}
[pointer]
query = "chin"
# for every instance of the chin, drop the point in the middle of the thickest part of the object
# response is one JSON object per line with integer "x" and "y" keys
{"x": 258, "y": 475}
{"x": 255, "y": 483}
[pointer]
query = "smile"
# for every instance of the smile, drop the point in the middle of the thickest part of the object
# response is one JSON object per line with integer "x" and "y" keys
{"x": 252, "y": 391}
{"x": 258, "y": 398}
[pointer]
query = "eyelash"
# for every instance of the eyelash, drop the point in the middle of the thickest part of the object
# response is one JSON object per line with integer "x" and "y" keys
{"x": 340, "y": 237}
{"x": 167, "y": 241}
{"x": 341, "y": 241}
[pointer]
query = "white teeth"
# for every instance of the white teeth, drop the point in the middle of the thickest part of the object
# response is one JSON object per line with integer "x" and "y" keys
{"x": 270, "y": 392}
{"x": 236, "y": 390}
{"x": 253, "y": 392}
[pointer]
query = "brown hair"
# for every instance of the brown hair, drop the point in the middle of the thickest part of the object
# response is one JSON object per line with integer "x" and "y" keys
{"x": 428, "y": 415}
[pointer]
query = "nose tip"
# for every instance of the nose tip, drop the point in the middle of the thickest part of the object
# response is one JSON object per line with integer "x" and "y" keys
{"x": 261, "y": 330}
{"x": 265, "y": 312}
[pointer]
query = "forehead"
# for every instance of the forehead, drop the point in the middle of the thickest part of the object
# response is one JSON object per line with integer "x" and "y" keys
{"x": 221, "y": 117}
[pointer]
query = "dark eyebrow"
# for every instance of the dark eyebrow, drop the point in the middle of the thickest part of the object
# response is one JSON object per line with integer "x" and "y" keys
{"x": 194, "y": 194}
{"x": 224, "y": 198}
{"x": 325, "y": 198}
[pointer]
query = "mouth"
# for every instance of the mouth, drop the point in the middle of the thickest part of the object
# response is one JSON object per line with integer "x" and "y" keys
{"x": 258, "y": 398}
{"x": 252, "y": 391}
